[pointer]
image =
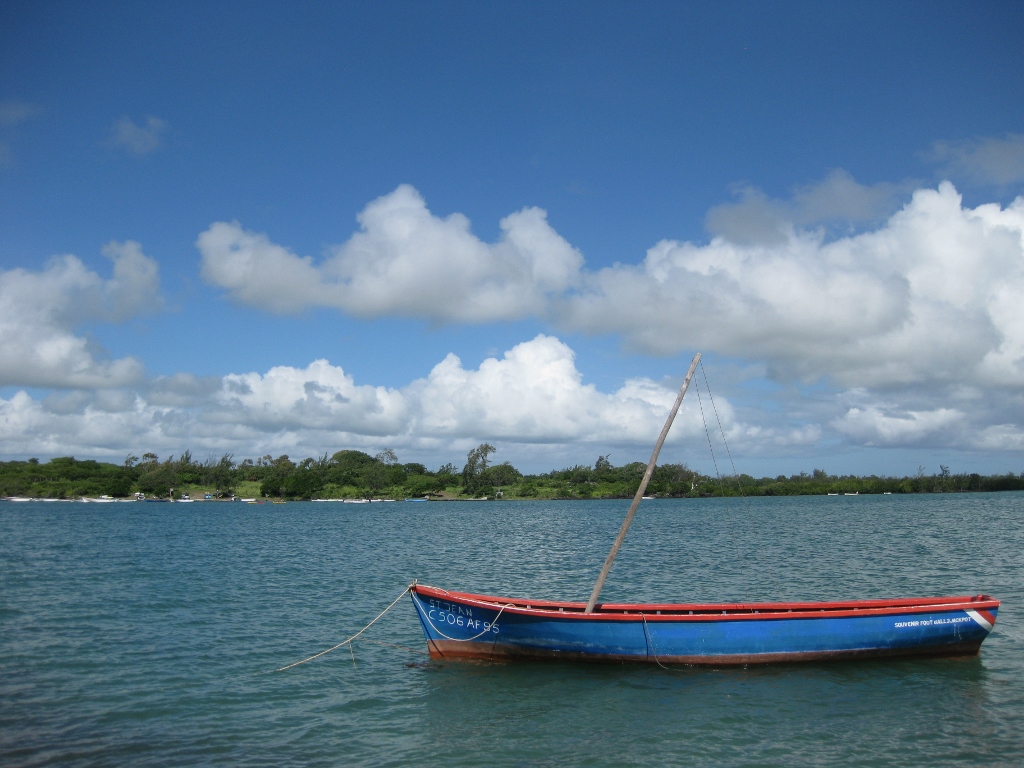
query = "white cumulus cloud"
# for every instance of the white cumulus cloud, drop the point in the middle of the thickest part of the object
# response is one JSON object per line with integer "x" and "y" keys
{"x": 321, "y": 396}
{"x": 532, "y": 402}
{"x": 907, "y": 334}
{"x": 404, "y": 261}
{"x": 873, "y": 426}
{"x": 39, "y": 312}
{"x": 918, "y": 311}
{"x": 927, "y": 294}
{"x": 931, "y": 296}
{"x": 533, "y": 396}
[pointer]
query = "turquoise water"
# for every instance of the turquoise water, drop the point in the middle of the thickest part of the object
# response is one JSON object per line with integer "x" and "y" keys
{"x": 141, "y": 634}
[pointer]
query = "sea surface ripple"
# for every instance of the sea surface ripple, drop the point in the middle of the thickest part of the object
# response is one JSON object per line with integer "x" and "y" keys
{"x": 146, "y": 634}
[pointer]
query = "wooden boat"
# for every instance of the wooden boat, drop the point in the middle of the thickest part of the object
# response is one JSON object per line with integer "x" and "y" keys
{"x": 462, "y": 625}
{"x": 466, "y": 626}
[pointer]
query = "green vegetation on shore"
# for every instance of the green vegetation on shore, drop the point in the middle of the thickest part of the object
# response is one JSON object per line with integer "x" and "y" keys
{"x": 354, "y": 474}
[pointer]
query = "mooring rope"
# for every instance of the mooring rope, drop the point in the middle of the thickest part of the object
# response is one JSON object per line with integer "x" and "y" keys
{"x": 464, "y": 639}
{"x": 357, "y": 634}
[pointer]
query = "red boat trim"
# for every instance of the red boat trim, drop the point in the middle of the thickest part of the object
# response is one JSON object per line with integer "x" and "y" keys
{"x": 976, "y": 605}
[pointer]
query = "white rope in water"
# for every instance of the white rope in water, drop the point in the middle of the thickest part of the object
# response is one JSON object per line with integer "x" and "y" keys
{"x": 346, "y": 642}
{"x": 464, "y": 639}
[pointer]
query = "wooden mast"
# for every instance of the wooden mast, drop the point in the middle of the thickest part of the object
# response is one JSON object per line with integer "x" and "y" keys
{"x": 640, "y": 491}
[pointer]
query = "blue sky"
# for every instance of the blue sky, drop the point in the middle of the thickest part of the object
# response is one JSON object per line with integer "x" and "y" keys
{"x": 198, "y": 201}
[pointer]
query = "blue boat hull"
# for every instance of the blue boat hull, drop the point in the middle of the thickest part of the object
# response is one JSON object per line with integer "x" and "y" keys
{"x": 459, "y": 625}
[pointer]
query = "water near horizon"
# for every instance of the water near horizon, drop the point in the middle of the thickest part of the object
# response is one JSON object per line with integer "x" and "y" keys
{"x": 139, "y": 634}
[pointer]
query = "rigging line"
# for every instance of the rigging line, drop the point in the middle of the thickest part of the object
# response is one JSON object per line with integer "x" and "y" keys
{"x": 346, "y": 642}
{"x": 732, "y": 535}
{"x": 708, "y": 433}
{"x": 739, "y": 483}
{"x": 721, "y": 429}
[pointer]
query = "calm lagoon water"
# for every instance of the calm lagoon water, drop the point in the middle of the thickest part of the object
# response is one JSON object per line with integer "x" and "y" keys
{"x": 142, "y": 634}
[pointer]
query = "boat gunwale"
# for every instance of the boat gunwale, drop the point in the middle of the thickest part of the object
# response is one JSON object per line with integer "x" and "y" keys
{"x": 713, "y": 611}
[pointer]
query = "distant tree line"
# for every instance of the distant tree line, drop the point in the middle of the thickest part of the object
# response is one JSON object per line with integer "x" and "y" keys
{"x": 355, "y": 474}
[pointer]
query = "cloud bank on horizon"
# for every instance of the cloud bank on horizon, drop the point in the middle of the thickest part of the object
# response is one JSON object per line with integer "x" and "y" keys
{"x": 911, "y": 326}
{"x": 533, "y": 395}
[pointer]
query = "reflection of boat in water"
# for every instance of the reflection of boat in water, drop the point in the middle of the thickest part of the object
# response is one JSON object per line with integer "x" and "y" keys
{"x": 466, "y": 625}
